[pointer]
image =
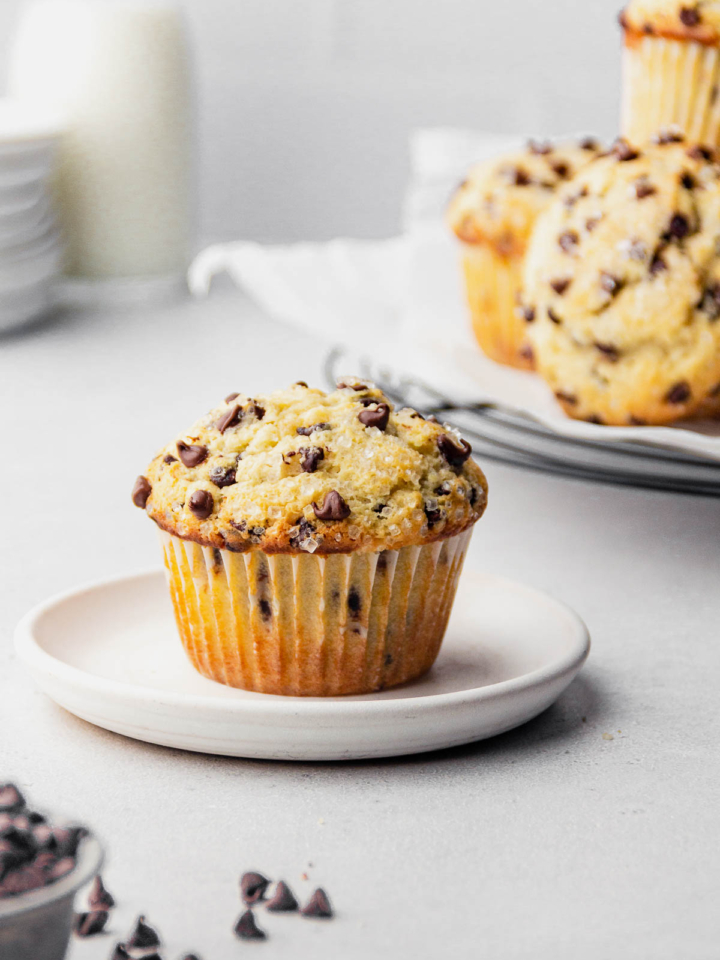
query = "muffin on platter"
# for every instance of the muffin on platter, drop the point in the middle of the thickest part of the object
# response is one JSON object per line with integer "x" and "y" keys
{"x": 671, "y": 69}
{"x": 623, "y": 287}
{"x": 313, "y": 541}
{"x": 493, "y": 214}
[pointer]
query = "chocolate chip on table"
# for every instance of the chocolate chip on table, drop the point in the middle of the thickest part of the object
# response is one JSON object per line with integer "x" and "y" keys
{"x": 201, "y": 504}
{"x": 99, "y": 897}
{"x": 568, "y": 241}
{"x": 610, "y": 284}
{"x": 623, "y": 151}
{"x": 91, "y": 923}
{"x": 700, "y": 152}
{"x": 710, "y": 303}
{"x": 608, "y": 350}
{"x": 333, "y": 507}
{"x": 230, "y": 418}
{"x": 375, "y": 418}
{"x": 540, "y": 147}
{"x": 689, "y": 16}
{"x": 247, "y": 929}
{"x": 560, "y": 285}
{"x": 222, "y": 476}
{"x": 11, "y": 800}
{"x": 318, "y": 906}
{"x": 554, "y": 317}
{"x": 191, "y": 454}
{"x": 283, "y": 900}
{"x": 253, "y": 886}
{"x": 456, "y": 453}
{"x": 306, "y": 431}
{"x": 143, "y": 936}
{"x": 679, "y": 226}
{"x": 141, "y": 491}
{"x": 311, "y": 457}
{"x": 678, "y": 393}
{"x": 231, "y": 396}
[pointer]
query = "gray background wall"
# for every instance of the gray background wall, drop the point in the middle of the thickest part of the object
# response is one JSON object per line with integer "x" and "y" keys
{"x": 306, "y": 105}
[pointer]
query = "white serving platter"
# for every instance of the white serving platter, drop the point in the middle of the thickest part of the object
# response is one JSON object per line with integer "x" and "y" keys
{"x": 109, "y": 653}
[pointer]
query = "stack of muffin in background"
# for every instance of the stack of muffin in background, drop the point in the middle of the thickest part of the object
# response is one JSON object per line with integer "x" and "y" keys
{"x": 601, "y": 268}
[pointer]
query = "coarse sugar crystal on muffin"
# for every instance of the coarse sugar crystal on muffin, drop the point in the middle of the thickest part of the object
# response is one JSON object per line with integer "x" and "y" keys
{"x": 493, "y": 213}
{"x": 313, "y": 540}
{"x": 671, "y": 69}
{"x": 623, "y": 286}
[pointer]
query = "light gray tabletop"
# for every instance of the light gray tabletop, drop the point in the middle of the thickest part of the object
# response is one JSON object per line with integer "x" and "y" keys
{"x": 589, "y": 833}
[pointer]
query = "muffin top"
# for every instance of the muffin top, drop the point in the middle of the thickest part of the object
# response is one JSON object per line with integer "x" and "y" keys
{"x": 303, "y": 470}
{"x": 501, "y": 198}
{"x": 626, "y": 264}
{"x": 674, "y": 19}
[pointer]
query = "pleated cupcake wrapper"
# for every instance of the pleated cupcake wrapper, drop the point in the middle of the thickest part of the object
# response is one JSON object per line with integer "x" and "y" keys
{"x": 307, "y": 625}
{"x": 493, "y": 285}
{"x": 670, "y": 83}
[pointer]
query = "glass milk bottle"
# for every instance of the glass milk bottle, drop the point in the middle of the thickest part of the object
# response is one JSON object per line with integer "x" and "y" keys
{"x": 118, "y": 73}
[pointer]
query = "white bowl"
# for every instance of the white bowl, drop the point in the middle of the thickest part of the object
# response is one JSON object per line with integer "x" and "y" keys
{"x": 27, "y": 304}
{"x": 36, "y": 925}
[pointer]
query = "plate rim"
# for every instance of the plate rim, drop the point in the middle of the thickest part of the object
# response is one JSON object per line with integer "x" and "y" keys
{"x": 31, "y": 653}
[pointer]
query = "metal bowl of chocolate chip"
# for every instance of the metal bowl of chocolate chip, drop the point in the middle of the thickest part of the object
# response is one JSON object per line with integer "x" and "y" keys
{"x": 42, "y": 866}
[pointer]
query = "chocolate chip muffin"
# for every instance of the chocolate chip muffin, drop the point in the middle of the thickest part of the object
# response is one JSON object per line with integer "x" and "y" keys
{"x": 313, "y": 541}
{"x": 623, "y": 287}
{"x": 671, "y": 69}
{"x": 493, "y": 214}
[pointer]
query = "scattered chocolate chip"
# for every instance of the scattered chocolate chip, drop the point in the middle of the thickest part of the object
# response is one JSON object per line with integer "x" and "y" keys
{"x": 201, "y": 504}
{"x": 88, "y": 924}
{"x": 688, "y": 181}
{"x": 528, "y": 314}
{"x": 143, "y": 936}
{"x": 253, "y": 886}
{"x": 265, "y": 609}
{"x": 572, "y": 198}
{"x": 608, "y": 350}
{"x": 526, "y": 353}
{"x": 565, "y": 397}
{"x": 230, "y": 418}
{"x": 379, "y": 507}
{"x": 623, "y": 151}
{"x": 623, "y": 20}
{"x": 591, "y": 223}
{"x": 141, "y": 491}
{"x": 306, "y": 431}
{"x": 474, "y": 494}
{"x": 657, "y": 265}
{"x": 68, "y": 839}
{"x": 342, "y": 385}
{"x": 11, "y": 800}
{"x": 231, "y": 396}
{"x": 354, "y": 602}
{"x": 594, "y": 418}
{"x": 432, "y": 419}
{"x": 169, "y": 458}
{"x": 254, "y": 407}
{"x": 375, "y": 418}
{"x": 333, "y": 507}
{"x": 99, "y": 898}
{"x": 669, "y": 135}
{"x": 247, "y": 929}
{"x": 318, "y": 905}
{"x": 553, "y": 317}
{"x": 678, "y": 393}
{"x": 222, "y": 476}
{"x": 191, "y": 454}
{"x": 589, "y": 143}
{"x": 710, "y": 303}
{"x": 300, "y": 383}
{"x": 568, "y": 241}
{"x": 311, "y": 457}
{"x": 456, "y": 453}
{"x": 433, "y": 513}
{"x": 283, "y": 900}
{"x": 540, "y": 147}
{"x": 643, "y": 188}
{"x": 305, "y": 531}
{"x": 190, "y": 956}
{"x": 120, "y": 953}
{"x": 610, "y": 284}
{"x": 518, "y": 176}
{"x": 560, "y": 285}
{"x": 679, "y": 226}
{"x": 22, "y": 842}
{"x": 690, "y": 16}
{"x": 561, "y": 169}
{"x": 701, "y": 152}
{"x": 443, "y": 490}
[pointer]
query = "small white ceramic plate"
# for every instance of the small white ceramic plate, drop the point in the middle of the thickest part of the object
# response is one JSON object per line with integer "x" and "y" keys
{"x": 109, "y": 653}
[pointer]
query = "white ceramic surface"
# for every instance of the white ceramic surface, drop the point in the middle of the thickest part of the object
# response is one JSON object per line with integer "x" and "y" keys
{"x": 109, "y": 653}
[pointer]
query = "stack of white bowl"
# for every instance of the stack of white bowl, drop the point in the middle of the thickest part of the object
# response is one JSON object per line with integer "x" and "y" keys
{"x": 30, "y": 246}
